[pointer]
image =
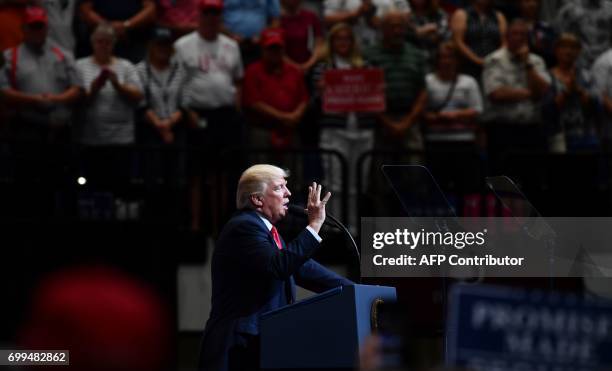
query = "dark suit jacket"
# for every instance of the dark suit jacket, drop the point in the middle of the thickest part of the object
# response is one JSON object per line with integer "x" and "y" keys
{"x": 251, "y": 276}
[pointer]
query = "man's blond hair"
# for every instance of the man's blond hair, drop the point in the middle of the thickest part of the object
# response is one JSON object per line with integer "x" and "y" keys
{"x": 254, "y": 180}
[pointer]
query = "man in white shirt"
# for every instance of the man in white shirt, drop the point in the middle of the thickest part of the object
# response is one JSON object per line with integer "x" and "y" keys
{"x": 212, "y": 60}
{"x": 212, "y": 93}
{"x": 514, "y": 82}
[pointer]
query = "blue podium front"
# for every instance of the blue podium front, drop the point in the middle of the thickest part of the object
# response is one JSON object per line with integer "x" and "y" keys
{"x": 322, "y": 332}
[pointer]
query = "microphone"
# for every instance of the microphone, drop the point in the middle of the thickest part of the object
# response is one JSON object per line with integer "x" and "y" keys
{"x": 299, "y": 210}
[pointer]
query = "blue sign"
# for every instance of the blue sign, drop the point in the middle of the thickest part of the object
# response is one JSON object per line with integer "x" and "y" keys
{"x": 502, "y": 329}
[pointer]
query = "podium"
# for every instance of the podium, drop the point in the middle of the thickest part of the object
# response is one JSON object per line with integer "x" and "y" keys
{"x": 321, "y": 332}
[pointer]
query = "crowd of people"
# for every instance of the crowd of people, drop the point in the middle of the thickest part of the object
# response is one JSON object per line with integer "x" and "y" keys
{"x": 483, "y": 75}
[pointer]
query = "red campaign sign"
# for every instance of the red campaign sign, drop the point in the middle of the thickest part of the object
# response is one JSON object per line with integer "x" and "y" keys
{"x": 354, "y": 90}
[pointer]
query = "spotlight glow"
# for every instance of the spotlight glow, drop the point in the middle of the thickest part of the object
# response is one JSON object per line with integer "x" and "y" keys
{"x": 81, "y": 180}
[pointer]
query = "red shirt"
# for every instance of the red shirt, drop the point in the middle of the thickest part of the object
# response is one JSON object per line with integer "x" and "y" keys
{"x": 284, "y": 91}
{"x": 300, "y": 33}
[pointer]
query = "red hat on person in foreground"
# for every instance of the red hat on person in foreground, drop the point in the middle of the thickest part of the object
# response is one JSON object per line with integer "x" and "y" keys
{"x": 107, "y": 319}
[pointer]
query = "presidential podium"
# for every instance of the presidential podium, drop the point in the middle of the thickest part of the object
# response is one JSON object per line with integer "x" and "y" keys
{"x": 323, "y": 331}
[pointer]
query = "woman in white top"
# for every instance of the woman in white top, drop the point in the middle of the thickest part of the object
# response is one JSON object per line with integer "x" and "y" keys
{"x": 454, "y": 103}
{"x": 113, "y": 91}
{"x": 453, "y": 100}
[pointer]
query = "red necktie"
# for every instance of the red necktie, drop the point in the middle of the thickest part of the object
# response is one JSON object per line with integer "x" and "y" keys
{"x": 276, "y": 237}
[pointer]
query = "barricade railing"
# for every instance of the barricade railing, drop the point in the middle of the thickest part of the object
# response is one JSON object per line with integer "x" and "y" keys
{"x": 66, "y": 181}
{"x": 111, "y": 182}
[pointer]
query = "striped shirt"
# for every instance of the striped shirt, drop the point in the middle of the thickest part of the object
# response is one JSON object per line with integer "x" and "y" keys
{"x": 108, "y": 118}
{"x": 404, "y": 75}
{"x": 162, "y": 89}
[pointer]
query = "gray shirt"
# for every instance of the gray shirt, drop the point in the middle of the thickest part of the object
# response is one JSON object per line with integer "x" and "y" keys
{"x": 48, "y": 71}
{"x": 108, "y": 117}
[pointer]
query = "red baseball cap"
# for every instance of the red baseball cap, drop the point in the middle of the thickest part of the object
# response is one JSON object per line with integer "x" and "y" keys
{"x": 35, "y": 14}
{"x": 272, "y": 36}
{"x": 211, "y": 4}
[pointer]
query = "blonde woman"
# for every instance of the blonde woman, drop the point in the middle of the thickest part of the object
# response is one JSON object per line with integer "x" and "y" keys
{"x": 349, "y": 133}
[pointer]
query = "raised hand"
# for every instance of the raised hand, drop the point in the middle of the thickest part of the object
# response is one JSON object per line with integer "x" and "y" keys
{"x": 315, "y": 207}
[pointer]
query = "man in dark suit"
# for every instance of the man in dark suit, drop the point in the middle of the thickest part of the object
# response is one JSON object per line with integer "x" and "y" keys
{"x": 254, "y": 271}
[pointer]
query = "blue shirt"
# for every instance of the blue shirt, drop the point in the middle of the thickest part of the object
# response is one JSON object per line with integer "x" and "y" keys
{"x": 248, "y": 18}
